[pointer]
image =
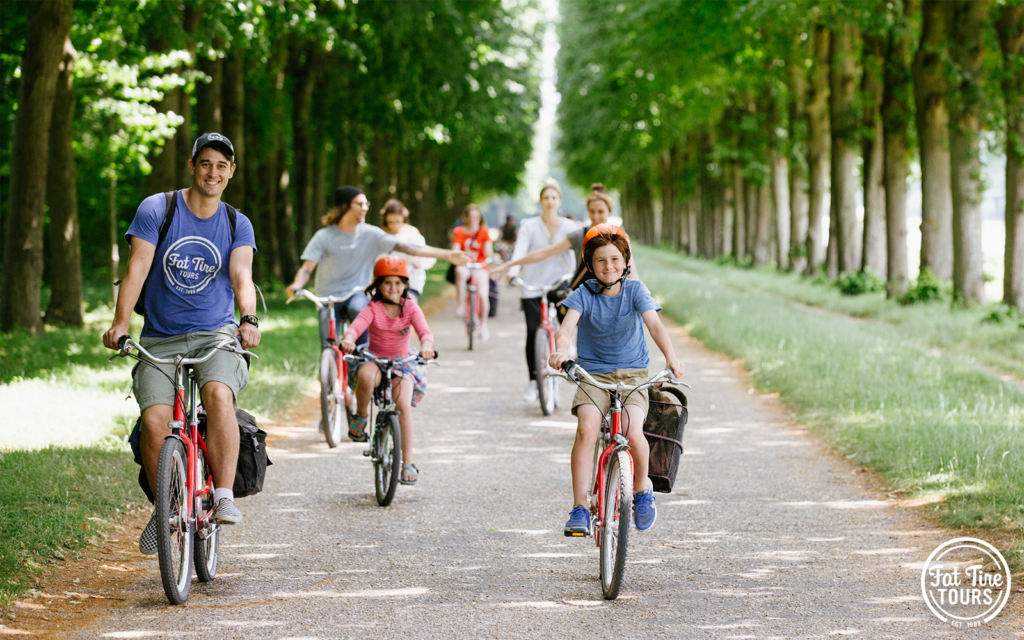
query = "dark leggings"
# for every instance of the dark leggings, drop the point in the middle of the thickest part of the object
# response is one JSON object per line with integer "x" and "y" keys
{"x": 531, "y": 307}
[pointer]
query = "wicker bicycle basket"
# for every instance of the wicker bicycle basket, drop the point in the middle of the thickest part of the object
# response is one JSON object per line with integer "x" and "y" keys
{"x": 663, "y": 428}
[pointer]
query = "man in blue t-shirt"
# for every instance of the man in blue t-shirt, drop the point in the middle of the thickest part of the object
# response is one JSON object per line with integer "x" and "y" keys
{"x": 193, "y": 278}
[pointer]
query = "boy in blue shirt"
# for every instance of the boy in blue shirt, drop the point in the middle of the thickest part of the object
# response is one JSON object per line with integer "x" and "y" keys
{"x": 611, "y": 312}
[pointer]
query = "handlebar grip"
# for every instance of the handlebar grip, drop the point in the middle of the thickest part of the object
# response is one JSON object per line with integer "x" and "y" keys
{"x": 120, "y": 342}
{"x": 436, "y": 354}
{"x": 568, "y": 365}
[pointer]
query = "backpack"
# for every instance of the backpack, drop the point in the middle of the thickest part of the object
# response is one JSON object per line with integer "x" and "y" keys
{"x": 171, "y": 200}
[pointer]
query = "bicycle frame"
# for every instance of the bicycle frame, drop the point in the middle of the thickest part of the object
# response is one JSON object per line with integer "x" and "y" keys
{"x": 188, "y": 434}
{"x": 332, "y": 335}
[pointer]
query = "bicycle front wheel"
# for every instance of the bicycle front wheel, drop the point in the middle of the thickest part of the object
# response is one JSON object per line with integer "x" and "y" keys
{"x": 206, "y": 549}
{"x": 545, "y": 383}
{"x": 174, "y": 532}
{"x": 387, "y": 457}
{"x": 331, "y": 399}
{"x": 615, "y": 513}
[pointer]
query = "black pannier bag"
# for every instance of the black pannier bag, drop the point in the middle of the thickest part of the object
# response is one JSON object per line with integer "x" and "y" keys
{"x": 663, "y": 429}
{"x": 252, "y": 455}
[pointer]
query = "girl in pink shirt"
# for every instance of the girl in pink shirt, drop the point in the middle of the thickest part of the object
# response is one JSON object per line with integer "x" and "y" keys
{"x": 390, "y": 317}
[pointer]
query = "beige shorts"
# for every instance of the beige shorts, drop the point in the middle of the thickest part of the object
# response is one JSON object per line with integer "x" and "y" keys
{"x": 152, "y": 387}
{"x": 587, "y": 394}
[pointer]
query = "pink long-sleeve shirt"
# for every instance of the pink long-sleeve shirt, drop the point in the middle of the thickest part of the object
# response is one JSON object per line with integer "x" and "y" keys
{"x": 389, "y": 337}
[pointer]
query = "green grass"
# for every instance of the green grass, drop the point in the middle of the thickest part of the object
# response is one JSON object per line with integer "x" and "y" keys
{"x": 956, "y": 332}
{"x": 55, "y": 500}
{"x": 927, "y": 419}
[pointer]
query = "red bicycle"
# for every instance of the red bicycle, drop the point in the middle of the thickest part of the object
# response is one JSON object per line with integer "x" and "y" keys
{"x": 184, "y": 481}
{"x": 544, "y": 344}
{"x": 611, "y": 496}
{"x": 335, "y": 394}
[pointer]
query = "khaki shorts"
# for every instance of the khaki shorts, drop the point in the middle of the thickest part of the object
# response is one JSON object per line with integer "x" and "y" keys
{"x": 587, "y": 394}
{"x": 152, "y": 387}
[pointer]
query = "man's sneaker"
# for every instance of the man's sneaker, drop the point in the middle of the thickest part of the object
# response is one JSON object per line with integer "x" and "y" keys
{"x": 148, "y": 541}
{"x": 644, "y": 511}
{"x": 530, "y": 394}
{"x": 579, "y": 522}
{"x": 227, "y": 512}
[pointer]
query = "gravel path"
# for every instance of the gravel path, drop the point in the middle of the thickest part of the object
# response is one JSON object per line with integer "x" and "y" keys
{"x": 766, "y": 534}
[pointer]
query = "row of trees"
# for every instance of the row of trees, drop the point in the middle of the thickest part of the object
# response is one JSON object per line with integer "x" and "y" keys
{"x": 729, "y": 125}
{"x": 433, "y": 102}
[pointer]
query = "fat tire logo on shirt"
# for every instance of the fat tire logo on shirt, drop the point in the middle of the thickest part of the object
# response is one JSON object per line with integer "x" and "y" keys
{"x": 191, "y": 263}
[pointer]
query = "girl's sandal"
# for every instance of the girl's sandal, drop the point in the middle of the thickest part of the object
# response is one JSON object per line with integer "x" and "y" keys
{"x": 357, "y": 429}
{"x": 410, "y": 471}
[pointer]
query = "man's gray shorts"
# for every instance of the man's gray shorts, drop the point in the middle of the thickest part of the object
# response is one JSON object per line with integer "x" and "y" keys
{"x": 152, "y": 387}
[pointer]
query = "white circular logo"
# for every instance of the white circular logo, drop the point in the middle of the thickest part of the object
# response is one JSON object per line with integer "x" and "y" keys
{"x": 191, "y": 263}
{"x": 966, "y": 582}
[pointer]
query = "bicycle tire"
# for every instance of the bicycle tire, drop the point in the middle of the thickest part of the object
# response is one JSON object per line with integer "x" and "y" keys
{"x": 471, "y": 317}
{"x": 174, "y": 546}
{"x": 545, "y": 388}
{"x": 330, "y": 408}
{"x": 387, "y": 457}
{"x": 618, "y": 506}
{"x": 206, "y": 551}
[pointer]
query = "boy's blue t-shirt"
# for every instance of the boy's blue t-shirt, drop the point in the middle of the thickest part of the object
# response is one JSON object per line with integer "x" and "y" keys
{"x": 610, "y": 334}
{"x": 189, "y": 284}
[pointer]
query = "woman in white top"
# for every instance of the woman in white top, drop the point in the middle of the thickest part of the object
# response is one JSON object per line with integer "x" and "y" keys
{"x": 393, "y": 220}
{"x": 538, "y": 233}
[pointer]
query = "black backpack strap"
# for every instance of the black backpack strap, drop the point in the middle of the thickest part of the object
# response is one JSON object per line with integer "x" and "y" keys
{"x": 232, "y": 220}
{"x": 171, "y": 198}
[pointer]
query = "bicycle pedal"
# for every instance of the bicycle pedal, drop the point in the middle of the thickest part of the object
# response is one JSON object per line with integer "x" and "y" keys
{"x": 366, "y": 453}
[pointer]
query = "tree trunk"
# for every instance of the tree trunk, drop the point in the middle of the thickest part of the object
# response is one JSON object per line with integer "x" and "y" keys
{"x": 65, "y": 251}
{"x": 288, "y": 248}
{"x": 798, "y": 202}
{"x": 728, "y": 213}
{"x": 845, "y": 141}
{"x": 819, "y": 146}
{"x": 185, "y": 137}
{"x": 930, "y": 96}
{"x": 303, "y": 69}
{"x": 967, "y": 50}
{"x": 1010, "y": 26}
{"x": 750, "y": 189}
{"x": 164, "y": 157}
{"x": 780, "y": 191}
{"x": 872, "y": 86}
{"x": 897, "y": 114}
{"x": 739, "y": 225}
{"x": 233, "y": 125}
{"x": 693, "y": 212}
{"x": 762, "y": 247}
{"x": 209, "y": 95}
{"x": 20, "y": 297}
{"x": 319, "y": 182}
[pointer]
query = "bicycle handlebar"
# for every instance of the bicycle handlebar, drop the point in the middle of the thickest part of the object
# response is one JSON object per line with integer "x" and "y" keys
{"x": 518, "y": 282}
{"x": 125, "y": 344}
{"x": 573, "y": 373}
{"x": 362, "y": 354}
{"x": 321, "y": 301}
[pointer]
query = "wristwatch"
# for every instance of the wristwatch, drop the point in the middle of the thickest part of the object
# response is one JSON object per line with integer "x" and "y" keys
{"x": 253, "y": 320}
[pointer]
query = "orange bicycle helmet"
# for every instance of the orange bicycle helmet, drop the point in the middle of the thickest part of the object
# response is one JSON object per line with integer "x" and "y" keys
{"x": 391, "y": 266}
{"x": 608, "y": 231}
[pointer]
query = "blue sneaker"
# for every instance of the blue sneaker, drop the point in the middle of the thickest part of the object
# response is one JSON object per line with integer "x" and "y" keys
{"x": 644, "y": 511}
{"x": 579, "y": 522}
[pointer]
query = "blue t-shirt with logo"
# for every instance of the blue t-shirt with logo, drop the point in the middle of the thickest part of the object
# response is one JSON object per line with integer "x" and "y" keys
{"x": 189, "y": 284}
{"x": 610, "y": 333}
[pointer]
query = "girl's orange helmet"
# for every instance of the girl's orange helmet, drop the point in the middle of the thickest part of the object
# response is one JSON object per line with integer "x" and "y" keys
{"x": 604, "y": 229}
{"x": 391, "y": 266}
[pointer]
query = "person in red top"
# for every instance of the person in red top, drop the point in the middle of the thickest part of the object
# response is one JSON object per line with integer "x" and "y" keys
{"x": 389, "y": 317}
{"x": 473, "y": 238}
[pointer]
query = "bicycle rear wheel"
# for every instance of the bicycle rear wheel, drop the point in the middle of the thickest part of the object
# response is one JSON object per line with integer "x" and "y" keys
{"x": 545, "y": 383}
{"x": 387, "y": 457}
{"x": 331, "y": 399}
{"x": 206, "y": 549}
{"x": 618, "y": 504}
{"x": 174, "y": 532}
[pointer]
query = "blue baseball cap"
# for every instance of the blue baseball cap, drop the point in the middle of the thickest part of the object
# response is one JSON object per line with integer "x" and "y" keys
{"x": 218, "y": 141}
